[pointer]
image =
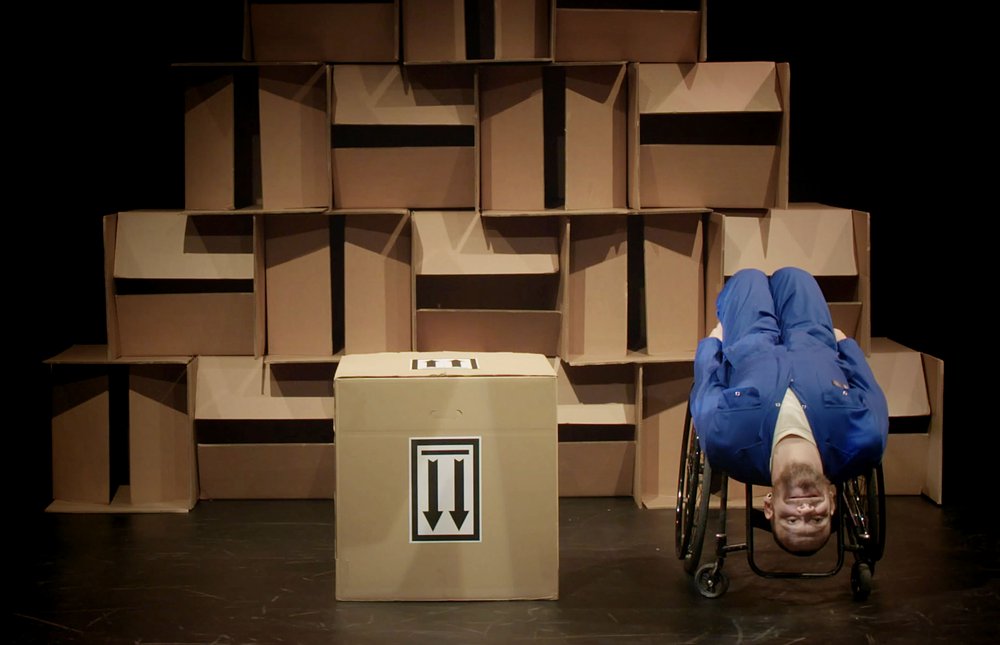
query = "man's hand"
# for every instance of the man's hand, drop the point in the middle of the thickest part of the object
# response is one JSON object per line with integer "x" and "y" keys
{"x": 839, "y": 335}
{"x": 717, "y": 332}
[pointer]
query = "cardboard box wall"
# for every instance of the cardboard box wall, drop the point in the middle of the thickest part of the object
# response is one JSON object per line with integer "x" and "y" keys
{"x": 657, "y": 33}
{"x": 378, "y": 293}
{"x": 485, "y": 284}
{"x": 162, "y": 475}
{"x": 456, "y": 31}
{"x": 343, "y": 32}
{"x": 553, "y": 137}
{"x": 596, "y": 414}
{"x": 256, "y": 135}
{"x": 264, "y": 430}
{"x": 508, "y": 403}
{"x": 404, "y": 137}
{"x": 674, "y": 283}
{"x": 708, "y": 134}
{"x": 830, "y": 243}
{"x": 181, "y": 284}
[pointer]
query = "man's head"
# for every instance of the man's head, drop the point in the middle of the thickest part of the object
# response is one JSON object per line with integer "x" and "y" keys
{"x": 800, "y": 508}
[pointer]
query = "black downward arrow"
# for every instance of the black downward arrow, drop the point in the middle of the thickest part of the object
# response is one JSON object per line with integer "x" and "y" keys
{"x": 459, "y": 514}
{"x": 432, "y": 513}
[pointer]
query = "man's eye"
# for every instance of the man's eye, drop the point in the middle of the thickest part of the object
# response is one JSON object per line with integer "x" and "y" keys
{"x": 793, "y": 520}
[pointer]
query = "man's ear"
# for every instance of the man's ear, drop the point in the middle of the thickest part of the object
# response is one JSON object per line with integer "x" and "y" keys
{"x": 768, "y": 507}
{"x": 833, "y": 499}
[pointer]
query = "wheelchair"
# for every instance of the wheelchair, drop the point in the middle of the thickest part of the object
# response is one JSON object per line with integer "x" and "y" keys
{"x": 858, "y": 522}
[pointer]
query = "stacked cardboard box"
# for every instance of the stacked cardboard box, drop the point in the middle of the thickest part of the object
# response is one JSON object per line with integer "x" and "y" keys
{"x": 382, "y": 177}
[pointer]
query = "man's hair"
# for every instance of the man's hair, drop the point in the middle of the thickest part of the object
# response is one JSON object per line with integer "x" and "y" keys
{"x": 804, "y": 552}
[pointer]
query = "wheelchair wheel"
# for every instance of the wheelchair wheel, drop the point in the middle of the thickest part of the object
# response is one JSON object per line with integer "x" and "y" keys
{"x": 691, "y": 511}
{"x": 861, "y": 580}
{"x": 864, "y": 499}
{"x": 711, "y": 584}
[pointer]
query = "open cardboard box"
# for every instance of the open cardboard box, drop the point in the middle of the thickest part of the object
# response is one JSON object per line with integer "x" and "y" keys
{"x": 404, "y": 137}
{"x": 830, "y": 243}
{"x": 485, "y": 284}
{"x": 469, "y": 31}
{"x": 181, "y": 284}
{"x": 366, "y": 31}
{"x": 656, "y": 32}
{"x": 378, "y": 294}
{"x": 553, "y": 137}
{"x": 89, "y": 394}
{"x": 597, "y": 423}
{"x": 301, "y": 291}
{"x": 264, "y": 429}
{"x": 256, "y": 136}
{"x": 708, "y": 134}
{"x": 451, "y": 492}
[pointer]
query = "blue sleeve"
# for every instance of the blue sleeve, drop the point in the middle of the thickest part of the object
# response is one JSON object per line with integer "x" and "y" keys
{"x": 860, "y": 376}
{"x": 707, "y": 377}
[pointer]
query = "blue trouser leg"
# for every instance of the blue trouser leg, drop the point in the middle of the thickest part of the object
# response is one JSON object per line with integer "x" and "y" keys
{"x": 745, "y": 308}
{"x": 802, "y": 311}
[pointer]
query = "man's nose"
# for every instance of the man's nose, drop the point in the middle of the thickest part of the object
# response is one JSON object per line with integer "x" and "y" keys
{"x": 805, "y": 505}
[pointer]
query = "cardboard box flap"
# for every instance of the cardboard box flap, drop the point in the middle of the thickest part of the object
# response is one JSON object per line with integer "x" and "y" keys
{"x": 438, "y": 364}
{"x": 389, "y": 94}
{"x": 596, "y": 395}
{"x": 820, "y": 241}
{"x": 98, "y": 355}
{"x": 462, "y": 243}
{"x": 709, "y": 87}
{"x": 170, "y": 244}
{"x": 900, "y": 373}
{"x": 232, "y": 387}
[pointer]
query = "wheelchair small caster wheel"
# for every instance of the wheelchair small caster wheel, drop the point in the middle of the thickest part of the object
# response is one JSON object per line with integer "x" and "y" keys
{"x": 861, "y": 580}
{"x": 711, "y": 585}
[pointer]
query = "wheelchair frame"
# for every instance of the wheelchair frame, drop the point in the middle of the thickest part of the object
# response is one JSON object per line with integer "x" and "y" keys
{"x": 859, "y": 524}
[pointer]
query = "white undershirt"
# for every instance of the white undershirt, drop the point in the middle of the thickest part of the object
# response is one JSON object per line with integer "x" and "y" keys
{"x": 791, "y": 421}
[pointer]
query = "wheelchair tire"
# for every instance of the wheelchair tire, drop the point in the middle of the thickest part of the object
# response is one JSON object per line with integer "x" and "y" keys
{"x": 876, "y": 509}
{"x": 711, "y": 585}
{"x": 687, "y": 489}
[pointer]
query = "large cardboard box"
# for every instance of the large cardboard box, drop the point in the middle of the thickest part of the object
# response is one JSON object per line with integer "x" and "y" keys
{"x": 656, "y": 32}
{"x": 256, "y": 136}
{"x": 833, "y": 244}
{"x": 366, "y": 31}
{"x": 447, "y": 482}
{"x": 708, "y": 134}
{"x": 264, "y": 429}
{"x": 913, "y": 383}
{"x": 597, "y": 425}
{"x": 553, "y": 137}
{"x": 378, "y": 291}
{"x": 457, "y": 31}
{"x": 486, "y": 284}
{"x": 663, "y": 398}
{"x": 404, "y": 137}
{"x": 136, "y": 411}
{"x": 181, "y": 284}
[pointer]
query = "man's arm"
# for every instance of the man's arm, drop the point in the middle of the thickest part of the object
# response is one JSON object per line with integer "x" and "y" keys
{"x": 860, "y": 376}
{"x": 707, "y": 361}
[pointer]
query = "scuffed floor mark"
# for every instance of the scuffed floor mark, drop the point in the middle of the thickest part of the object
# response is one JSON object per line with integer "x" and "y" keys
{"x": 49, "y": 622}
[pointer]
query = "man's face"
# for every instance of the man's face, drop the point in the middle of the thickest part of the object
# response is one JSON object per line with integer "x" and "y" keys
{"x": 800, "y": 508}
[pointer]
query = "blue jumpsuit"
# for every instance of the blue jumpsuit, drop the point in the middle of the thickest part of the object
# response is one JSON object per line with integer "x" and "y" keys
{"x": 778, "y": 334}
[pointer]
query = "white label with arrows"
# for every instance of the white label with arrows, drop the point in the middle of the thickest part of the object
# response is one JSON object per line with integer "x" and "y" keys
{"x": 444, "y": 489}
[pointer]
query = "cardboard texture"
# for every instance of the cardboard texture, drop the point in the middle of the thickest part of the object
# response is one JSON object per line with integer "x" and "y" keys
{"x": 553, "y": 137}
{"x": 455, "y": 31}
{"x": 403, "y": 138}
{"x": 830, "y": 243}
{"x": 183, "y": 284}
{"x": 709, "y": 134}
{"x": 595, "y": 396}
{"x": 161, "y": 461}
{"x": 299, "y": 290}
{"x": 242, "y": 389}
{"x": 324, "y": 31}
{"x": 665, "y": 389}
{"x": 294, "y": 136}
{"x": 642, "y": 35}
{"x": 485, "y": 284}
{"x": 210, "y": 144}
{"x": 378, "y": 295}
{"x": 596, "y": 305}
{"x": 497, "y": 537}
{"x": 673, "y": 254}
{"x": 913, "y": 384}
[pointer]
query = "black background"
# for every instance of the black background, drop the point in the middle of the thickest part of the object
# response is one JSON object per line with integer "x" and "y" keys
{"x": 95, "y": 117}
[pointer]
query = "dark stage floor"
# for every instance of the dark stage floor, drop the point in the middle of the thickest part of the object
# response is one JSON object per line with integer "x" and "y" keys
{"x": 263, "y": 572}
